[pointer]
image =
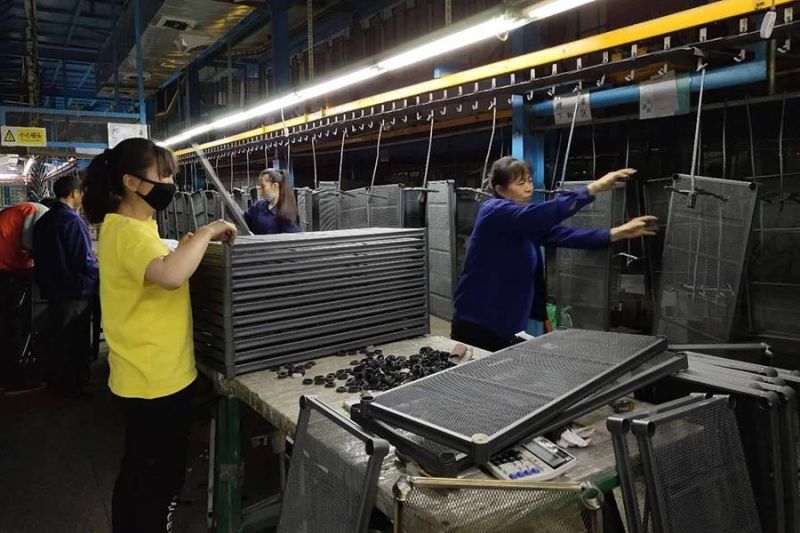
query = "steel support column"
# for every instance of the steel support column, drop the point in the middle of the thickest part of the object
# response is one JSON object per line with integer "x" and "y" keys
{"x": 524, "y": 144}
{"x": 32, "y": 45}
{"x": 137, "y": 23}
{"x": 280, "y": 44}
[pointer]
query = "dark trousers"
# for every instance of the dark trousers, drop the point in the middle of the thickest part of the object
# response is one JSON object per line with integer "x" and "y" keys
{"x": 69, "y": 344}
{"x": 14, "y": 325}
{"x": 479, "y": 337}
{"x": 154, "y": 463}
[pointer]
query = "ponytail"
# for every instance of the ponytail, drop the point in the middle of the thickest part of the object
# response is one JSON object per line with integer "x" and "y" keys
{"x": 287, "y": 204}
{"x": 103, "y": 189}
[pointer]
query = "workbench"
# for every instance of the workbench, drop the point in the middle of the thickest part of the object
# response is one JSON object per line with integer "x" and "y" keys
{"x": 277, "y": 401}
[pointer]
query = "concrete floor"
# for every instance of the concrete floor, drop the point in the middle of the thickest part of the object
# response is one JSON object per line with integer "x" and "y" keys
{"x": 59, "y": 460}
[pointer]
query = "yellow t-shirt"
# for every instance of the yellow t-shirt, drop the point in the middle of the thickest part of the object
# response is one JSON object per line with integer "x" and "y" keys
{"x": 148, "y": 329}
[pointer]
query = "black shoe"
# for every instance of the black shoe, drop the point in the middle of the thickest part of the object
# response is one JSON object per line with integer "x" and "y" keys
{"x": 13, "y": 390}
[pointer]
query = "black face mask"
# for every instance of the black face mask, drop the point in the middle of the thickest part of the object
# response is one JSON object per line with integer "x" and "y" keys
{"x": 160, "y": 196}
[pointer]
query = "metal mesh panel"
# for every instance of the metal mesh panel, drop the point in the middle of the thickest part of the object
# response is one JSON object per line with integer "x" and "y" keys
{"x": 385, "y": 206}
{"x": 484, "y": 510}
{"x": 468, "y": 205}
{"x": 495, "y": 396}
{"x": 214, "y": 209}
{"x": 587, "y": 282}
{"x": 183, "y": 213}
{"x": 240, "y": 197}
{"x": 352, "y": 212}
{"x": 414, "y": 207}
{"x": 441, "y": 221}
{"x": 200, "y": 213}
{"x": 440, "y": 460}
{"x": 327, "y": 207}
{"x": 305, "y": 208}
{"x": 774, "y": 269}
{"x": 332, "y": 477}
{"x": 700, "y": 481}
{"x": 656, "y": 203}
{"x": 171, "y": 218}
{"x": 704, "y": 254}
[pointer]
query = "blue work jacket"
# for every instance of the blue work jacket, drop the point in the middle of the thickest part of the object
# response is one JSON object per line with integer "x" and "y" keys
{"x": 64, "y": 264}
{"x": 502, "y": 285}
{"x": 265, "y": 221}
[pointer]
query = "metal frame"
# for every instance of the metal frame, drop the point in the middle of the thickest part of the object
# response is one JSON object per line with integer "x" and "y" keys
{"x": 645, "y": 429}
{"x": 734, "y": 364}
{"x": 678, "y": 201}
{"x": 376, "y": 448}
{"x": 481, "y": 446}
{"x": 441, "y": 233}
{"x": 785, "y": 451}
{"x": 767, "y": 403}
{"x": 449, "y": 462}
{"x": 619, "y": 426}
{"x": 600, "y": 258}
{"x": 590, "y": 496}
{"x": 305, "y": 208}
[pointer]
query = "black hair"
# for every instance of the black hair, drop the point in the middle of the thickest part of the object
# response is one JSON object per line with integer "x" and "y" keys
{"x": 287, "y": 204}
{"x": 103, "y": 188}
{"x": 507, "y": 169}
{"x": 65, "y": 185}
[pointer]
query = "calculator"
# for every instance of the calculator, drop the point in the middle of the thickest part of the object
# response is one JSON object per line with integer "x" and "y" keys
{"x": 536, "y": 460}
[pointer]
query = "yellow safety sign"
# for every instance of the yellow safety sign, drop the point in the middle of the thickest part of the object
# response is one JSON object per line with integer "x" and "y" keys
{"x": 22, "y": 136}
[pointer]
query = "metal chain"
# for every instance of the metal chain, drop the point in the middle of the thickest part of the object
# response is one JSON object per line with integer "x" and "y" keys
{"x": 377, "y": 156}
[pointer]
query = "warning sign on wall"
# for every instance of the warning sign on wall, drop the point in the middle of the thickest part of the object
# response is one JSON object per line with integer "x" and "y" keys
{"x": 20, "y": 136}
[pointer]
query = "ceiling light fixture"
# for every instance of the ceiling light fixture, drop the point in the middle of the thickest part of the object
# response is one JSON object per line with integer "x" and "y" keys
{"x": 495, "y": 26}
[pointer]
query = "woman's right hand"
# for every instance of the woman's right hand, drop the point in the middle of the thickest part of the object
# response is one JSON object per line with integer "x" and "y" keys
{"x": 611, "y": 181}
{"x": 645, "y": 226}
{"x": 221, "y": 230}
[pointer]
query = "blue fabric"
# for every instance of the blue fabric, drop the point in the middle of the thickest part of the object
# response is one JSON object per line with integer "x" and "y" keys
{"x": 265, "y": 221}
{"x": 502, "y": 285}
{"x": 64, "y": 264}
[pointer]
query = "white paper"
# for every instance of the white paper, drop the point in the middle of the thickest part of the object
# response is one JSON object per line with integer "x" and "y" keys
{"x": 564, "y": 107}
{"x": 119, "y": 132}
{"x": 659, "y": 98}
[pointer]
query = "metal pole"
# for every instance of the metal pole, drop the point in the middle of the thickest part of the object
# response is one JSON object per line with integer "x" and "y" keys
{"x": 137, "y": 24}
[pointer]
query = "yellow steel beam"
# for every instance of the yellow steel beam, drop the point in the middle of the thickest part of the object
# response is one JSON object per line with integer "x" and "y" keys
{"x": 698, "y": 16}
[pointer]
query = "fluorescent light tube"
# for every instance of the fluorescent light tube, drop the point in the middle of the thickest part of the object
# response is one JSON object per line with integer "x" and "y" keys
{"x": 490, "y": 28}
{"x": 543, "y": 10}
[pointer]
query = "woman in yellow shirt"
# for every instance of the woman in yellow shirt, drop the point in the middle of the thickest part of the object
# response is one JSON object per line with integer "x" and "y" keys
{"x": 147, "y": 319}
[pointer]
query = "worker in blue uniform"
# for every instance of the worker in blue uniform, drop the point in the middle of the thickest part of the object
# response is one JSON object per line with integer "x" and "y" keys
{"x": 503, "y": 284}
{"x": 276, "y": 212}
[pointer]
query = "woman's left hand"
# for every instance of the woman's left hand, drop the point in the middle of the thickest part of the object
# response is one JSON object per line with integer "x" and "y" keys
{"x": 645, "y": 226}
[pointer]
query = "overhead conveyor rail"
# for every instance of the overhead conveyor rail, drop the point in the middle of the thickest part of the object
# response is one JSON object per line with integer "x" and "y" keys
{"x": 585, "y": 62}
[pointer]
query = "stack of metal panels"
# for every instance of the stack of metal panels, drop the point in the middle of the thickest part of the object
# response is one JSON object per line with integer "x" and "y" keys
{"x": 587, "y": 283}
{"x": 327, "y": 207}
{"x": 484, "y": 406}
{"x": 468, "y": 204}
{"x": 353, "y": 209}
{"x": 240, "y": 197}
{"x": 305, "y": 208}
{"x": 704, "y": 257}
{"x": 441, "y": 221}
{"x": 199, "y": 207}
{"x": 214, "y": 208}
{"x": 386, "y": 206}
{"x": 378, "y": 207}
{"x": 274, "y": 299}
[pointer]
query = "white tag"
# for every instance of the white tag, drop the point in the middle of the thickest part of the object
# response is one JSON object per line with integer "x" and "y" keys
{"x": 659, "y": 98}
{"x": 564, "y": 107}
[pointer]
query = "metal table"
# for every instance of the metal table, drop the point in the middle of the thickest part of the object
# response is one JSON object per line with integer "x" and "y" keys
{"x": 277, "y": 400}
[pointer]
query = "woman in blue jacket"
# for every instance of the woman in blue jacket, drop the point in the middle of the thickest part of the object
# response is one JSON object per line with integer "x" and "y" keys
{"x": 502, "y": 285}
{"x": 276, "y": 212}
